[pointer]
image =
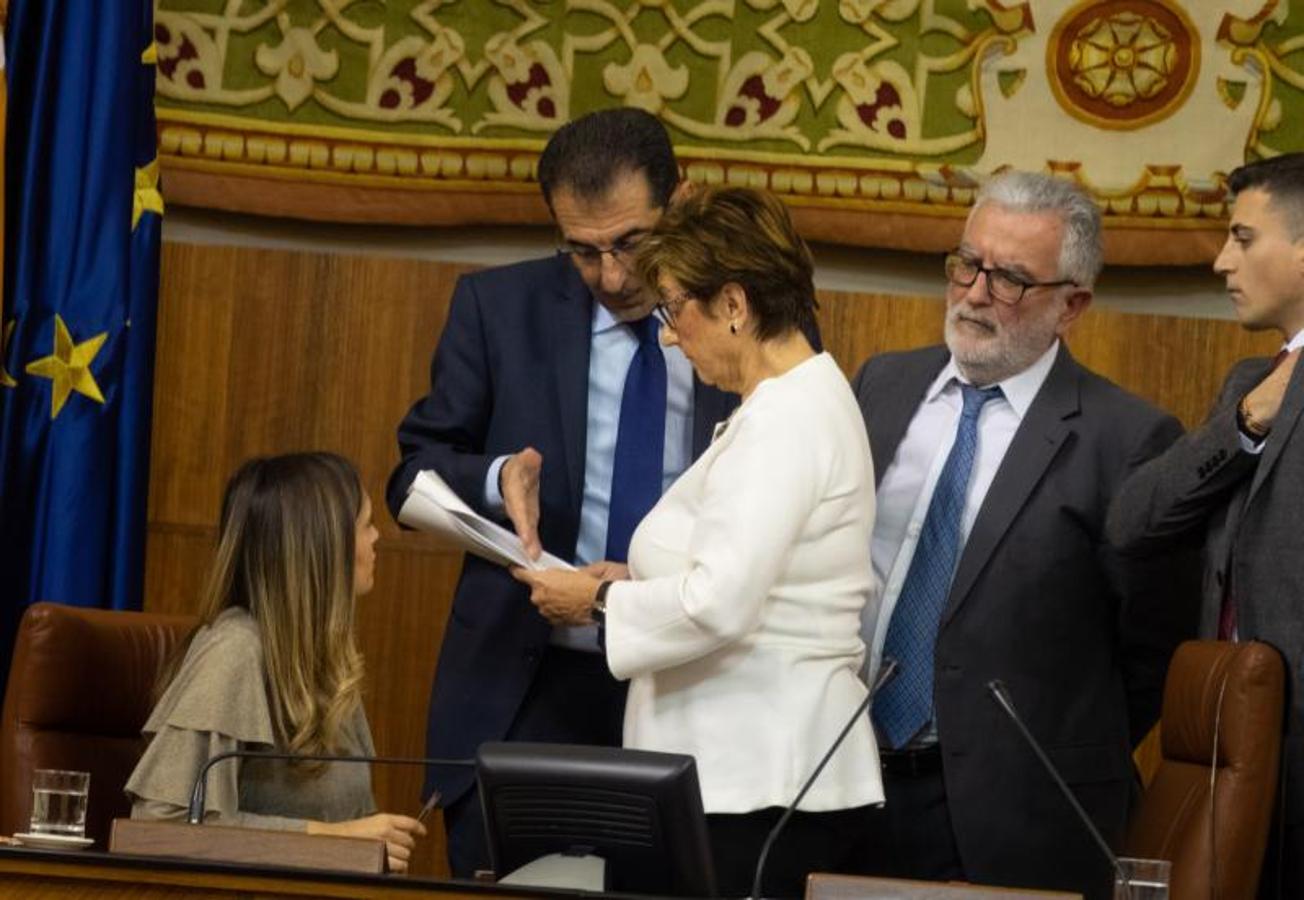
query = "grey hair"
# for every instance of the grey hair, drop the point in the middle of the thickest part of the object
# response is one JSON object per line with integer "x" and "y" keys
{"x": 1081, "y": 248}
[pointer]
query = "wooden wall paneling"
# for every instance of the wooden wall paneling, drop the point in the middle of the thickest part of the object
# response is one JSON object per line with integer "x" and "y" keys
{"x": 1177, "y": 364}
{"x": 177, "y": 556}
{"x": 857, "y": 326}
{"x": 191, "y": 366}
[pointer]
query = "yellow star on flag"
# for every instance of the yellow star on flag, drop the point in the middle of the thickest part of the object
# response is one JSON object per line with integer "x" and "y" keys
{"x": 69, "y": 367}
{"x": 7, "y": 380}
{"x": 147, "y": 197}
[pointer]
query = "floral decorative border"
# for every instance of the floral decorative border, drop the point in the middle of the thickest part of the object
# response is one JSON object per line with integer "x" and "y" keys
{"x": 296, "y": 165}
{"x": 875, "y": 119}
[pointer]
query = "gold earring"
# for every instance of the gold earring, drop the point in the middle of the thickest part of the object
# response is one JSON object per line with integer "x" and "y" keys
{"x": 733, "y": 327}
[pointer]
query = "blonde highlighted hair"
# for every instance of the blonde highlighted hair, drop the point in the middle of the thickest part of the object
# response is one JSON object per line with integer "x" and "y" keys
{"x": 285, "y": 554}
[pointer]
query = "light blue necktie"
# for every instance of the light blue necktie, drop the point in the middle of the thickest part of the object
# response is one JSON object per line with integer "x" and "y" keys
{"x": 640, "y": 441}
{"x": 905, "y": 704}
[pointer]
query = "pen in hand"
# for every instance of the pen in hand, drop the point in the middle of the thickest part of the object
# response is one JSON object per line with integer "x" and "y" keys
{"x": 428, "y": 806}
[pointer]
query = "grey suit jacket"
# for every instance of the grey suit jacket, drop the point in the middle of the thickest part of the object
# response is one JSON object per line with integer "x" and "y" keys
{"x": 1249, "y": 512}
{"x": 1041, "y": 601}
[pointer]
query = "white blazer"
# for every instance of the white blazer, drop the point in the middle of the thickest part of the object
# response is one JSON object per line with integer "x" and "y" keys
{"x": 740, "y": 628}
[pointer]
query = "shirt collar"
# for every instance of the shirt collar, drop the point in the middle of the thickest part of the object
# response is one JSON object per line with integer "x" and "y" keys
{"x": 603, "y": 318}
{"x": 1019, "y": 390}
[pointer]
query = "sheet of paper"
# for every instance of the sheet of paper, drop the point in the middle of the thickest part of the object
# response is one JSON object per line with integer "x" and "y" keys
{"x": 432, "y": 506}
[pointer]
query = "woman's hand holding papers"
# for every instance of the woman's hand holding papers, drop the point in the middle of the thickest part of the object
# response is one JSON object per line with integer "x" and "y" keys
{"x": 563, "y": 598}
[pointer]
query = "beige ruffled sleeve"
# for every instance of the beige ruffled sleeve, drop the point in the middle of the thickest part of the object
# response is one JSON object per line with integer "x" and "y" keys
{"x": 216, "y": 703}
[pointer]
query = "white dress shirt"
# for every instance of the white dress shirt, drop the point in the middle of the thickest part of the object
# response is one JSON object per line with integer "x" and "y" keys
{"x": 740, "y": 630}
{"x": 908, "y": 484}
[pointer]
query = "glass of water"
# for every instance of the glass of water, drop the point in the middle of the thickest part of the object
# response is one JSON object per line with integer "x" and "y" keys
{"x": 1147, "y": 879}
{"x": 59, "y": 802}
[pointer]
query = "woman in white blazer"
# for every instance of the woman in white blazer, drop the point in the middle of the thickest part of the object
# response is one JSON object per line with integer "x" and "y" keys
{"x": 738, "y": 618}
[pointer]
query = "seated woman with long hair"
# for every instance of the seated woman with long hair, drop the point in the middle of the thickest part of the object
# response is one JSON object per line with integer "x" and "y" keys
{"x": 274, "y": 664}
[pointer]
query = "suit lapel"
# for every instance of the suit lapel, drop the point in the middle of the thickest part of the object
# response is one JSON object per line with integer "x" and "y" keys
{"x": 894, "y": 404}
{"x": 570, "y": 331}
{"x": 1037, "y": 440}
{"x": 1282, "y": 427}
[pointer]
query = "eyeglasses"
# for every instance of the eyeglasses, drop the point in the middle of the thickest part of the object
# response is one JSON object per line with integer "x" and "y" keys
{"x": 669, "y": 307}
{"x": 1003, "y": 285}
{"x": 622, "y": 251}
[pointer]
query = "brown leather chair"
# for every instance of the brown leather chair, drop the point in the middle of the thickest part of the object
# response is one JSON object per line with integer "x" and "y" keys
{"x": 1234, "y": 695}
{"x": 81, "y": 685}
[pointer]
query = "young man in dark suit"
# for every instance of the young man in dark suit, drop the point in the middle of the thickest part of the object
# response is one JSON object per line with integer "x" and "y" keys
{"x": 996, "y": 456}
{"x": 1237, "y": 482}
{"x": 552, "y": 406}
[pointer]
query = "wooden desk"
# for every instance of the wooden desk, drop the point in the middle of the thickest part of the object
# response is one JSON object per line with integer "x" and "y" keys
{"x": 26, "y": 873}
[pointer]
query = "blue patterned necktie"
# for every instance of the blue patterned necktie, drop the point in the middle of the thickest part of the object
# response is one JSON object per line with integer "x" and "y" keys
{"x": 905, "y": 704}
{"x": 640, "y": 440}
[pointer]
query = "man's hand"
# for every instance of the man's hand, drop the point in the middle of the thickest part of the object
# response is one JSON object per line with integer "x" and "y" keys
{"x": 1264, "y": 402}
{"x": 563, "y": 598}
{"x": 518, "y": 481}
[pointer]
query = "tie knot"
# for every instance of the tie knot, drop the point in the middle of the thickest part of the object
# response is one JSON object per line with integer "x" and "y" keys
{"x": 975, "y": 397}
{"x": 645, "y": 329}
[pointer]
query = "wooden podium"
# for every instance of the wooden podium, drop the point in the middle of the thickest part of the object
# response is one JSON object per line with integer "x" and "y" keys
{"x": 850, "y": 887}
{"x": 252, "y": 846}
{"x": 26, "y": 873}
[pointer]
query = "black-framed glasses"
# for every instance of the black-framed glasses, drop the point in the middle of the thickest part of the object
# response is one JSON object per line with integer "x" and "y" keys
{"x": 669, "y": 307}
{"x": 622, "y": 251}
{"x": 1003, "y": 286}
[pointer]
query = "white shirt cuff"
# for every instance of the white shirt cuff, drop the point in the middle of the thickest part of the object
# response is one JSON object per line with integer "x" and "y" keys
{"x": 493, "y": 498}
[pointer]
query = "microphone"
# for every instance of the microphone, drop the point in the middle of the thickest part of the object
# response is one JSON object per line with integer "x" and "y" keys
{"x": 195, "y": 813}
{"x": 1001, "y": 695}
{"x": 886, "y": 672}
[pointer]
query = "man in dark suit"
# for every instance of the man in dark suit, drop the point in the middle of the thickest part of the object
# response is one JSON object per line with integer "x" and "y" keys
{"x": 997, "y": 456}
{"x": 552, "y": 405}
{"x": 1237, "y": 482}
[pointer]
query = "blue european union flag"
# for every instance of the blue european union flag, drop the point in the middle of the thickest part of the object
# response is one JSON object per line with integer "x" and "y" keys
{"x": 80, "y": 294}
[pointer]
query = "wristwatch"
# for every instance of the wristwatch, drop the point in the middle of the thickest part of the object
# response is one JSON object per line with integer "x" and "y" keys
{"x": 598, "y": 611}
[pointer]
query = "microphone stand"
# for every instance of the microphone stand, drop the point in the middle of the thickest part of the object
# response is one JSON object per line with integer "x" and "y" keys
{"x": 1001, "y": 695}
{"x": 195, "y": 813}
{"x": 886, "y": 672}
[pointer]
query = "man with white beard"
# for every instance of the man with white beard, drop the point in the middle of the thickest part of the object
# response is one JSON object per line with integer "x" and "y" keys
{"x": 998, "y": 456}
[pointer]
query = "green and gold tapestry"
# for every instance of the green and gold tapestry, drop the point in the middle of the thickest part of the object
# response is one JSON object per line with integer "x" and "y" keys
{"x": 874, "y": 119}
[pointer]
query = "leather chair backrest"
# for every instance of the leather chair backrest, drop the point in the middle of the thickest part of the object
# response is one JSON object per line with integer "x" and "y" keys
{"x": 1231, "y": 695}
{"x": 81, "y": 685}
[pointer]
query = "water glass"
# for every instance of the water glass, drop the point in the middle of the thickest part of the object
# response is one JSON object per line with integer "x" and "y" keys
{"x": 1147, "y": 879}
{"x": 59, "y": 802}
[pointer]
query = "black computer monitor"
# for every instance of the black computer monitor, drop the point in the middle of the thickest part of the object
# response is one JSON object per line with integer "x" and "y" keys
{"x": 641, "y": 812}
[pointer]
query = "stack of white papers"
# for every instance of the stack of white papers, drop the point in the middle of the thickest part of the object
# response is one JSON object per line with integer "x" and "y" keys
{"x": 432, "y": 506}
